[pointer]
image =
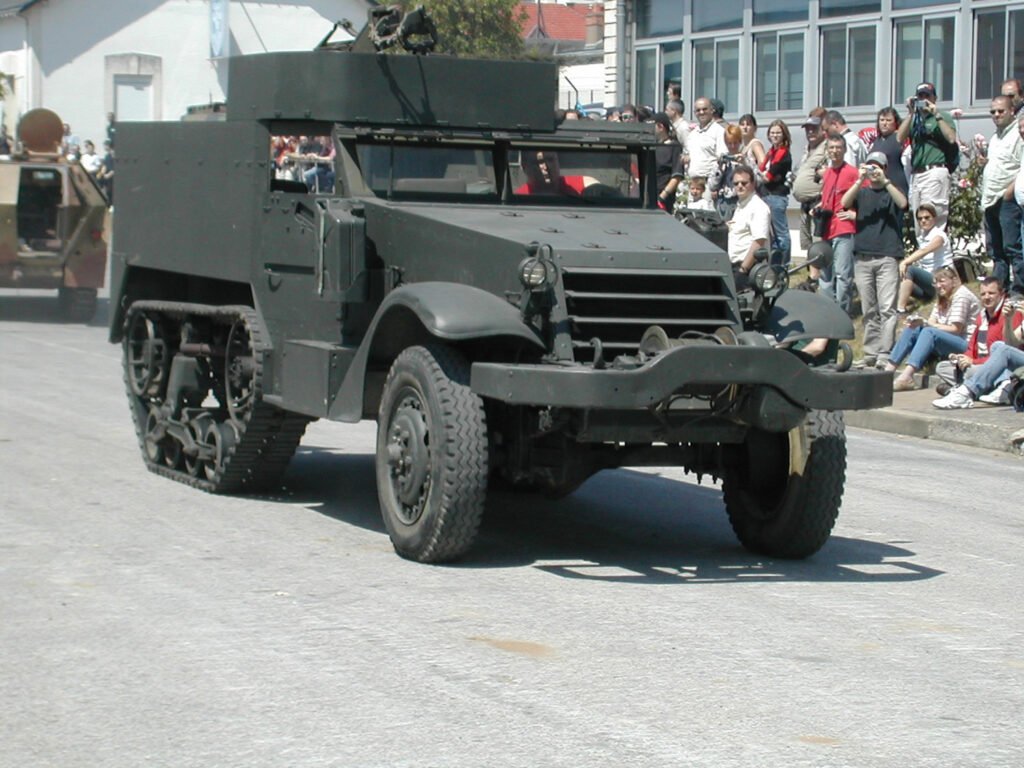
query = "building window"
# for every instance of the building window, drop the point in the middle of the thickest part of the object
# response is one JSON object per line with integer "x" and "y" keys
{"x": 716, "y": 70}
{"x": 666, "y": 59}
{"x": 924, "y": 52}
{"x": 655, "y": 18}
{"x": 999, "y": 50}
{"x": 779, "y": 64}
{"x": 717, "y": 14}
{"x": 848, "y": 67}
{"x": 902, "y": 5}
{"x": 830, "y": 8}
{"x": 779, "y": 11}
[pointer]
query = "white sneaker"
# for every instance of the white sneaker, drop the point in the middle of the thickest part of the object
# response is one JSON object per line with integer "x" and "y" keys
{"x": 1000, "y": 395}
{"x": 960, "y": 397}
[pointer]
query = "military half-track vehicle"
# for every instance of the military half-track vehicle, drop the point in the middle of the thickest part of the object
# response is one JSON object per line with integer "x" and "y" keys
{"x": 500, "y": 293}
{"x": 52, "y": 218}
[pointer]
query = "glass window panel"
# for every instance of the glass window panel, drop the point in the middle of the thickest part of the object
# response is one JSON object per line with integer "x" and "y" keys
{"x": 791, "y": 65}
{"x": 717, "y": 14}
{"x": 766, "y": 56}
{"x": 1016, "y": 68}
{"x": 830, "y": 8}
{"x": 901, "y": 5}
{"x": 728, "y": 75}
{"x": 671, "y": 66}
{"x": 989, "y": 54}
{"x": 938, "y": 55}
{"x": 909, "y": 58}
{"x": 704, "y": 69}
{"x": 647, "y": 85}
{"x": 862, "y": 66}
{"x": 776, "y": 11}
{"x": 659, "y": 17}
{"x": 833, "y": 68}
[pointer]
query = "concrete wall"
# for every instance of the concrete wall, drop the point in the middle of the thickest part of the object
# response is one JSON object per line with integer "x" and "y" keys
{"x": 83, "y": 56}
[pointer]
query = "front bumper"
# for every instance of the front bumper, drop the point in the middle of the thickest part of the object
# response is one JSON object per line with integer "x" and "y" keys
{"x": 680, "y": 369}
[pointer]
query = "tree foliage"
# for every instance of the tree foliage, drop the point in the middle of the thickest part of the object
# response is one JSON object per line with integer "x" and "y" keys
{"x": 487, "y": 29}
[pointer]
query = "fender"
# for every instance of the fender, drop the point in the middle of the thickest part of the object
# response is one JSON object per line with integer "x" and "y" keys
{"x": 799, "y": 315}
{"x": 414, "y": 313}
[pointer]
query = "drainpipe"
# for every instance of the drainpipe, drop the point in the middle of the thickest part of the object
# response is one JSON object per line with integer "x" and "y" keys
{"x": 27, "y": 105}
{"x": 620, "y": 52}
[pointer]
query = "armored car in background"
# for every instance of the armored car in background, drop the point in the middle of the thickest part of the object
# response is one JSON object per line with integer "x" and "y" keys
{"x": 52, "y": 220}
{"x": 502, "y": 295}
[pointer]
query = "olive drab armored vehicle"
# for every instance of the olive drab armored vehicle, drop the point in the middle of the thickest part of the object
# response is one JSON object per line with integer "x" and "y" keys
{"x": 499, "y": 293}
{"x": 52, "y": 218}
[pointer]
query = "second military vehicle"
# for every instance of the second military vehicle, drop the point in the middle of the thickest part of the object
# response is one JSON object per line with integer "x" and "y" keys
{"x": 52, "y": 218}
{"x": 500, "y": 293}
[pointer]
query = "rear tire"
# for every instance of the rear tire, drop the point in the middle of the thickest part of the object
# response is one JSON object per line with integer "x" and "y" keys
{"x": 431, "y": 455}
{"x": 778, "y": 507}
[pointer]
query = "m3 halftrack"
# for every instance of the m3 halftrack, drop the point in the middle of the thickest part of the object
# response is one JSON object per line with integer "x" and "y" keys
{"x": 500, "y": 293}
{"x": 52, "y": 217}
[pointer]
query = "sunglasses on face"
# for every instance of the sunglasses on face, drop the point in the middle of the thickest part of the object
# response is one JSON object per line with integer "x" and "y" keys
{"x": 741, "y": 183}
{"x": 924, "y": 218}
{"x": 627, "y": 116}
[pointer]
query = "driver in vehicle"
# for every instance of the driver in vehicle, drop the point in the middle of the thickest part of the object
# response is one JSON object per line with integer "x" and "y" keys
{"x": 544, "y": 176}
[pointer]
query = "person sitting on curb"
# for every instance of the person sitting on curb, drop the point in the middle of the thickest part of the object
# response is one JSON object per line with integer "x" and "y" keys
{"x": 988, "y": 329}
{"x": 916, "y": 269}
{"x": 991, "y": 381}
{"x": 944, "y": 333}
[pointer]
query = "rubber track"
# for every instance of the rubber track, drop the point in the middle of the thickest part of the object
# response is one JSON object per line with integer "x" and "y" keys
{"x": 268, "y": 437}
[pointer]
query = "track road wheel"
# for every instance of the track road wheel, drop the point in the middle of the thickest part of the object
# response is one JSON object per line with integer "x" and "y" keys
{"x": 431, "y": 455}
{"x": 240, "y": 372}
{"x": 783, "y": 491}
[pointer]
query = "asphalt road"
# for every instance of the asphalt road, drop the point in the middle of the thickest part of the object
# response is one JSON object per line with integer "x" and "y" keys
{"x": 145, "y": 623}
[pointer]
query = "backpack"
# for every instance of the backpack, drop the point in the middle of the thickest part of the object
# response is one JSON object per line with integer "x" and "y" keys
{"x": 952, "y": 151}
{"x": 1017, "y": 390}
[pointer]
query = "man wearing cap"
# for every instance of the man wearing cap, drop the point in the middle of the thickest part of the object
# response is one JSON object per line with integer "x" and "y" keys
{"x": 999, "y": 207}
{"x": 932, "y": 135}
{"x": 706, "y": 142}
{"x": 806, "y": 185}
{"x": 877, "y": 250}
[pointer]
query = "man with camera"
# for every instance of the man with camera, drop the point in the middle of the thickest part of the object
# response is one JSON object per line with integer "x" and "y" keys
{"x": 836, "y": 225}
{"x": 877, "y": 249}
{"x": 933, "y": 142}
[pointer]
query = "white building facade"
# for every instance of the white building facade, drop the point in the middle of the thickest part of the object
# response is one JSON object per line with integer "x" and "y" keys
{"x": 780, "y": 58}
{"x": 143, "y": 59}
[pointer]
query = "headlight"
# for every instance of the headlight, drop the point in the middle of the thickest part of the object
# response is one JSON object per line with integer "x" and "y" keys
{"x": 537, "y": 272}
{"x": 769, "y": 280}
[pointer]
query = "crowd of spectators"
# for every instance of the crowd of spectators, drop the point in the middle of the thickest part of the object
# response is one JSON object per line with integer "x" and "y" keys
{"x": 854, "y": 190}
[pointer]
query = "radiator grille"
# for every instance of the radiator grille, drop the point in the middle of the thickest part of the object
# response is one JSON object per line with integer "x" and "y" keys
{"x": 617, "y": 306}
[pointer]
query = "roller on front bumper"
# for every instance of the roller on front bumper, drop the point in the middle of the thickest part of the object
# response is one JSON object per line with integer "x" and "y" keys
{"x": 680, "y": 371}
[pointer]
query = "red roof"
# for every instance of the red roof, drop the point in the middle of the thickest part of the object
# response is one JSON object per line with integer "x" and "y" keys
{"x": 557, "y": 21}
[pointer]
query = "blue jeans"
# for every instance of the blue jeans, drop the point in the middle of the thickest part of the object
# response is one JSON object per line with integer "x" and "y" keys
{"x": 1003, "y": 243}
{"x": 837, "y": 280}
{"x": 923, "y": 343}
{"x": 1001, "y": 361}
{"x": 924, "y": 285}
{"x": 781, "y": 250}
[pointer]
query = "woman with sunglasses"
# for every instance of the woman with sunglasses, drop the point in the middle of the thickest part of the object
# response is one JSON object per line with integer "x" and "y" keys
{"x": 932, "y": 252}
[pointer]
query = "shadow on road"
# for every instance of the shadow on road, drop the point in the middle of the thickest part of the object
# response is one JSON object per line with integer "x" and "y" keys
{"x": 43, "y": 309}
{"x": 622, "y": 526}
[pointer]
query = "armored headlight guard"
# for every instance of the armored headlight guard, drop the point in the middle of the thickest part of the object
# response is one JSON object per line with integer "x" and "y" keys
{"x": 769, "y": 280}
{"x": 537, "y": 273}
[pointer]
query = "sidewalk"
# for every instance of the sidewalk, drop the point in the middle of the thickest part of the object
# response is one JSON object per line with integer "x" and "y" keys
{"x": 911, "y": 413}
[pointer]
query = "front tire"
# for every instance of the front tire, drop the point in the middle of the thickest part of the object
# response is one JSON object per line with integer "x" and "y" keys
{"x": 783, "y": 491}
{"x": 431, "y": 455}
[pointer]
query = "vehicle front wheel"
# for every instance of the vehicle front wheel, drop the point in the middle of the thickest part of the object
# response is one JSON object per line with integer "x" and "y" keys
{"x": 783, "y": 491}
{"x": 431, "y": 455}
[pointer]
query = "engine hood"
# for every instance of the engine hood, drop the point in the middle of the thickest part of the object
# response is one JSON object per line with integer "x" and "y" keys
{"x": 463, "y": 243}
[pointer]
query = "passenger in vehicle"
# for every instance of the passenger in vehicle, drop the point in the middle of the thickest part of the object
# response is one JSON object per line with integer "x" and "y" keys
{"x": 544, "y": 176}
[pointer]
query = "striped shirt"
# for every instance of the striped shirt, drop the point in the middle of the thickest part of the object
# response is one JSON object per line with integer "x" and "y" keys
{"x": 963, "y": 308}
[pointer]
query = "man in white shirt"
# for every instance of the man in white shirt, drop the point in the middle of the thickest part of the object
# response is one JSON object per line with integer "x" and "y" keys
{"x": 706, "y": 142}
{"x": 89, "y": 160}
{"x": 750, "y": 228}
{"x": 680, "y": 126}
{"x": 1001, "y": 212}
{"x": 856, "y": 152}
